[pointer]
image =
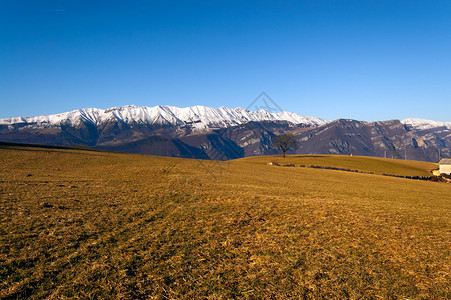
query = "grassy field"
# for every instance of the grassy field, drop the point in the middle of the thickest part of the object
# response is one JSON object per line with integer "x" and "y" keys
{"x": 82, "y": 224}
{"x": 362, "y": 163}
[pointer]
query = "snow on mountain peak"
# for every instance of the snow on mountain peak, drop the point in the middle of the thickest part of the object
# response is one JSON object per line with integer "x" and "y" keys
{"x": 199, "y": 117}
{"x": 422, "y": 124}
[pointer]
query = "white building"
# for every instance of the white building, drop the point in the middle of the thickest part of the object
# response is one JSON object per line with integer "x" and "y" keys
{"x": 445, "y": 166}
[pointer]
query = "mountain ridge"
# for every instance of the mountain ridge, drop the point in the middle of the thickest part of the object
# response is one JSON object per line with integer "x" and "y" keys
{"x": 189, "y": 115}
{"x": 224, "y": 133}
{"x": 164, "y": 114}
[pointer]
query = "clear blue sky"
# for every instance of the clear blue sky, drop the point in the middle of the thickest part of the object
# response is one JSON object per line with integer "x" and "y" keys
{"x": 366, "y": 60}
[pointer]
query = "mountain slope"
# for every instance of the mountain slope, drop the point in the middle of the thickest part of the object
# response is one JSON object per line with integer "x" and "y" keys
{"x": 383, "y": 139}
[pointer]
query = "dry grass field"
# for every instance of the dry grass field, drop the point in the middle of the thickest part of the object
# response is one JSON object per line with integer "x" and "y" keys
{"x": 362, "y": 163}
{"x": 86, "y": 224}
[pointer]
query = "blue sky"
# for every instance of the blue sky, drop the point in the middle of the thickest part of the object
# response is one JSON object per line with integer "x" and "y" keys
{"x": 366, "y": 60}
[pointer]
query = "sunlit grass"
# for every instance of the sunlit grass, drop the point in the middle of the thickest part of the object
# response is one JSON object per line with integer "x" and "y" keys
{"x": 93, "y": 224}
{"x": 362, "y": 163}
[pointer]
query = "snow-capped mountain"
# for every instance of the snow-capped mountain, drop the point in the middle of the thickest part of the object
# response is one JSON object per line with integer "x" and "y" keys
{"x": 224, "y": 133}
{"x": 422, "y": 124}
{"x": 197, "y": 117}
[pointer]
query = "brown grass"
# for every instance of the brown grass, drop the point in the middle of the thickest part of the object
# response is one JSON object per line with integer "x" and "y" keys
{"x": 376, "y": 165}
{"x": 80, "y": 224}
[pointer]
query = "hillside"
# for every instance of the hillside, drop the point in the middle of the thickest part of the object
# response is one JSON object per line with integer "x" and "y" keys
{"x": 89, "y": 224}
{"x": 360, "y": 163}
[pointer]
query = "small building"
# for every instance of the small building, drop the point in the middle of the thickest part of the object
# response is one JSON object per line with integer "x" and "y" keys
{"x": 445, "y": 166}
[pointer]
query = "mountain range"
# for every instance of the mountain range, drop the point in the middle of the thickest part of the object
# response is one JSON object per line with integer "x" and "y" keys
{"x": 224, "y": 133}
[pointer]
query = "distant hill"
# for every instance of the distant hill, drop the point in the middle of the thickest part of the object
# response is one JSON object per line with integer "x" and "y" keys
{"x": 224, "y": 133}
